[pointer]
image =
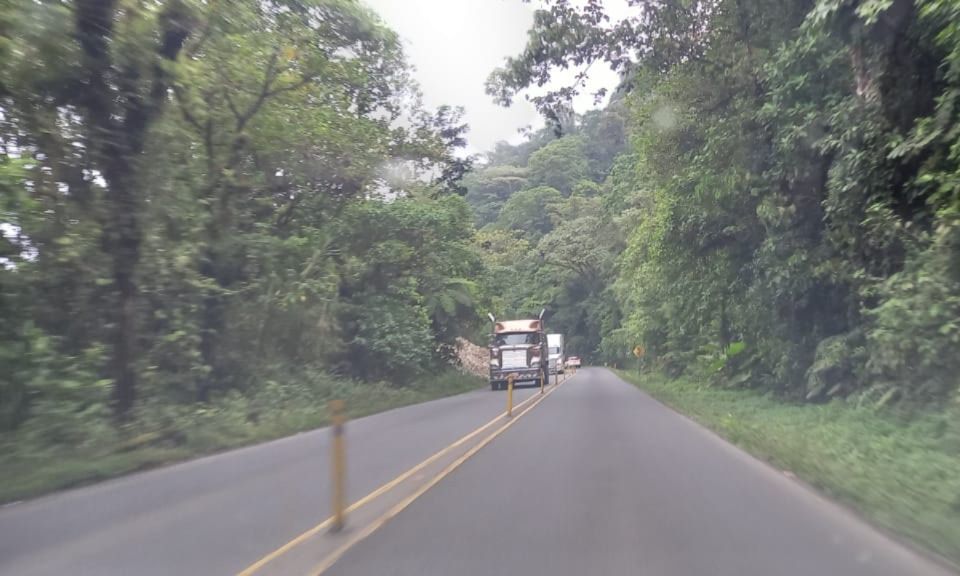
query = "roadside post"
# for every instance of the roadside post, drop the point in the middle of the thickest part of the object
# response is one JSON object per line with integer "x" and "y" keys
{"x": 510, "y": 395}
{"x": 541, "y": 382}
{"x": 338, "y": 464}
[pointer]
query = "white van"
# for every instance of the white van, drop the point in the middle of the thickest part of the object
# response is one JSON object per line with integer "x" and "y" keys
{"x": 555, "y": 353}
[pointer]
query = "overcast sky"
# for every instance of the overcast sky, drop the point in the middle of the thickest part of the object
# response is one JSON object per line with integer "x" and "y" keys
{"x": 455, "y": 44}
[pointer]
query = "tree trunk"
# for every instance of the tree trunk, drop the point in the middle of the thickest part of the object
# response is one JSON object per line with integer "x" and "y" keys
{"x": 125, "y": 331}
{"x": 213, "y": 325}
{"x": 724, "y": 331}
{"x": 123, "y": 240}
{"x": 120, "y": 106}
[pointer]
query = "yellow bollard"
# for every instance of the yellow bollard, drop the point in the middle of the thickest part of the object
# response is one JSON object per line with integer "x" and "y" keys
{"x": 338, "y": 464}
{"x": 541, "y": 382}
{"x": 510, "y": 395}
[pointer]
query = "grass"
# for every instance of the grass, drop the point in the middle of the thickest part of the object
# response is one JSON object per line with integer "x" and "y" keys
{"x": 903, "y": 475}
{"x": 60, "y": 451}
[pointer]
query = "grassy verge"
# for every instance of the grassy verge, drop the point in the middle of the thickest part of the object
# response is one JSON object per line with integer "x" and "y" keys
{"x": 59, "y": 451}
{"x": 902, "y": 475}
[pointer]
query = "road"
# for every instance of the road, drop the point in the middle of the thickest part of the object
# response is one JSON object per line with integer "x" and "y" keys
{"x": 219, "y": 514}
{"x": 595, "y": 478}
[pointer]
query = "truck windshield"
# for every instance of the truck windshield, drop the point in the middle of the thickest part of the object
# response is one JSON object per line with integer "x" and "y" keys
{"x": 516, "y": 339}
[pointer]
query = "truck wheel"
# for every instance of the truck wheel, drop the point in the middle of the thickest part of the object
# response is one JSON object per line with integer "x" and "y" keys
{"x": 494, "y": 386}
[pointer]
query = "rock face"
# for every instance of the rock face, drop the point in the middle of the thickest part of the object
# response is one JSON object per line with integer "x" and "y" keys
{"x": 473, "y": 359}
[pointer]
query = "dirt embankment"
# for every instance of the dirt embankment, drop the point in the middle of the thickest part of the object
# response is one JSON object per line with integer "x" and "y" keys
{"x": 473, "y": 359}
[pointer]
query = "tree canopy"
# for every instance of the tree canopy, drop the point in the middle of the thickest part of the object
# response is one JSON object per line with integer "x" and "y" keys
{"x": 786, "y": 202}
{"x": 188, "y": 191}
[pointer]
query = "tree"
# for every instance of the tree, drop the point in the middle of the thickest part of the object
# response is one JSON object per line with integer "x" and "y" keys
{"x": 489, "y": 188}
{"x": 410, "y": 258}
{"x": 256, "y": 168}
{"x": 604, "y": 137}
{"x": 533, "y": 211}
{"x": 111, "y": 75}
{"x": 179, "y": 229}
{"x": 578, "y": 257}
{"x": 560, "y": 165}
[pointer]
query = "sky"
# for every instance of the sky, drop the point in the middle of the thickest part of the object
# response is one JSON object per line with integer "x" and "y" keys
{"x": 455, "y": 44}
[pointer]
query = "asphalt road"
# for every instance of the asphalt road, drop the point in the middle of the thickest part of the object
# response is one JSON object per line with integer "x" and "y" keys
{"x": 601, "y": 479}
{"x": 596, "y": 479}
{"x": 217, "y": 515}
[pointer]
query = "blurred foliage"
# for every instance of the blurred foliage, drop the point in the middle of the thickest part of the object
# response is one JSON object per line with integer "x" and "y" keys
{"x": 59, "y": 450}
{"x": 198, "y": 197}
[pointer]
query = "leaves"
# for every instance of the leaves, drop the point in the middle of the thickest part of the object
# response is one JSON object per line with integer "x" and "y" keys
{"x": 788, "y": 204}
{"x": 207, "y": 179}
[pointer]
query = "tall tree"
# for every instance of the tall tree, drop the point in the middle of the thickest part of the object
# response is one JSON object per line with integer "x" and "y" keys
{"x": 559, "y": 165}
{"x": 102, "y": 82}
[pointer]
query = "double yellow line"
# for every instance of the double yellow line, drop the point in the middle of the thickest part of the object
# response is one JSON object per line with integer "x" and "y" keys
{"x": 373, "y": 526}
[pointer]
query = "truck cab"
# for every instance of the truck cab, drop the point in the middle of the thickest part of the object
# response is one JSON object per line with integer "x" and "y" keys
{"x": 518, "y": 348}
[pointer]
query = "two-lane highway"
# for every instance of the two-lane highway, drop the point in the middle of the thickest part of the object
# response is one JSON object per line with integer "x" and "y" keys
{"x": 593, "y": 478}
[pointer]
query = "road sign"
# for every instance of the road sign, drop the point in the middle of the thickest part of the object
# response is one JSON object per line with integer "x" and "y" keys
{"x": 639, "y": 351}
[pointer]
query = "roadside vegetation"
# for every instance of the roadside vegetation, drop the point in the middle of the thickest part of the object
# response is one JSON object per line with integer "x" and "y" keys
{"x": 901, "y": 471}
{"x": 41, "y": 457}
{"x": 214, "y": 216}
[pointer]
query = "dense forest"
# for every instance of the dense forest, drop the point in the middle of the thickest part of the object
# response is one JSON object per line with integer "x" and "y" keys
{"x": 209, "y": 204}
{"x": 200, "y": 199}
{"x": 770, "y": 199}
{"x": 548, "y": 237}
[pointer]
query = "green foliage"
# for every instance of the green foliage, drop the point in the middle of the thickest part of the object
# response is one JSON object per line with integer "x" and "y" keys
{"x": 195, "y": 197}
{"x": 490, "y": 187}
{"x": 916, "y": 329}
{"x": 560, "y": 164}
{"x": 553, "y": 248}
{"x": 412, "y": 261}
{"x": 837, "y": 367}
{"x": 532, "y": 211}
{"x": 506, "y": 256}
{"x": 780, "y": 188}
{"x": 391, "y": 337}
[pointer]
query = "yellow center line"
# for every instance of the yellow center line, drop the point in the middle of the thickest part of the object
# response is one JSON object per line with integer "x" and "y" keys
{"x": 253, "y": 568}
{"x": 379, "y": 522}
